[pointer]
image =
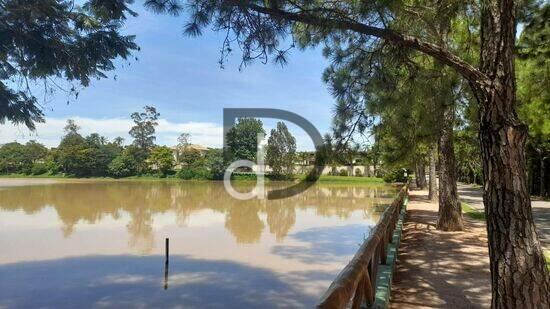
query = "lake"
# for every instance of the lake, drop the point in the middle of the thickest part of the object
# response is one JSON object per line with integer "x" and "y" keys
{"x": 92, "y": 243}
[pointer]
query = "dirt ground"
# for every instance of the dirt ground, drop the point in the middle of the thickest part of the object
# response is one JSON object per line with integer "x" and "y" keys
{"x": 438, "y": 269}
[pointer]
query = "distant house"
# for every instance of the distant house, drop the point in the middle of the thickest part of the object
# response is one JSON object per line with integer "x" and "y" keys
{"x": 177, "y": 151}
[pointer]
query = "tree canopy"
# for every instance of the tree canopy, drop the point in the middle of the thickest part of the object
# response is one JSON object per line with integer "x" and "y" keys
{"x": 281, "y": 151}
{"x": 44, "y": 40}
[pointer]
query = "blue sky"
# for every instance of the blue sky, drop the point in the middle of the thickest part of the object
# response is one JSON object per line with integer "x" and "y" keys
{"x": 181, "y": 76}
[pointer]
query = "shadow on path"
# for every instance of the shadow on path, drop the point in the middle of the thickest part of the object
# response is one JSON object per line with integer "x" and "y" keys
{"x": 440, "y": 269}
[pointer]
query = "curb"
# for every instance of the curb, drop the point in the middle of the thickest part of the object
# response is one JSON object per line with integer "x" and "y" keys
{"x": 385, "y": 272}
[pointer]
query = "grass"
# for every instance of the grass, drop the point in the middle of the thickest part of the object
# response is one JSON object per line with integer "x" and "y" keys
{"x": 547, "y": 258}
{"x": 32, "y": 176}
{"x": 472, "y": 212}
{"x": 347, "y": 179}
{"x": 325, "y": 179}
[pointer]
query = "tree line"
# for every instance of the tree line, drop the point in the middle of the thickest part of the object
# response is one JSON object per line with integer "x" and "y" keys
{"x": 95, "y": 156}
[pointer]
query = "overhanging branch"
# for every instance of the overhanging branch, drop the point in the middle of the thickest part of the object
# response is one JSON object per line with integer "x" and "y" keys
{"x": 469, "y": 72}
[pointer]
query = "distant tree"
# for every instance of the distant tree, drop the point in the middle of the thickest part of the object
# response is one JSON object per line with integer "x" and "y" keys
{"x": 35, "y": 151}
{"x": 71, "y": 127}
{"x": 532, "y": 71}
{"x": 242, "y": 139}
{"x": 281, "y": 151}
{"x": 143, "y": 133}
{"x": 12, "y": 157}
{"x": 123, "y": 165}
{"x": 143, "y": 130}
{"x": 119, "y": 141}
{"x": 162, "y": 158}
{"x": 46, "y": 39}
{"x": 101, "y": 153}
{"x": 215, "y": 163}
{"x": 73, "y": 154}
{"x": 184, "y": 139}
{"x": 185, "y": 154}
{"x": 35, "y": 156}
{"x": 191, "y": 158}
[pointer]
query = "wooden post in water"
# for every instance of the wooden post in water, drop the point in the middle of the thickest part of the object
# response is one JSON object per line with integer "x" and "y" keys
{"x": 166, "y": 259}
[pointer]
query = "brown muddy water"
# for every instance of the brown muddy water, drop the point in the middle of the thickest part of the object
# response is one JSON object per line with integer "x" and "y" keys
{"x": 82, "y": 244}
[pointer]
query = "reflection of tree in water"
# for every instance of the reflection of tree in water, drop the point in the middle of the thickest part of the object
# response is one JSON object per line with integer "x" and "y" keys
{"x": 93, "y": 201}
{"x": 140, "y": 230}
{"x": 280, "y": 218}
{"x": 244, "y": 223}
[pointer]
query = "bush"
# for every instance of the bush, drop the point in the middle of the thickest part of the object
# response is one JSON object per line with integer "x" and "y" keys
{"x": 215, "y": 163}
{"x": 397, "y": 175}
{"x": 39, "y": 169}
{"x": 123, "y": 165}
{"x": 358, "y": 172}
{"x": 193, "y": 173}
{"x": 343, "y": 173}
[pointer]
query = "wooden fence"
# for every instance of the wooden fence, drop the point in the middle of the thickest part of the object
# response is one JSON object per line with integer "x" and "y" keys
{"x": 356, "y": 283}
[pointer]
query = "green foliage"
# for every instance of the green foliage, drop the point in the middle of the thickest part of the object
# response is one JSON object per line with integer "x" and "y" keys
{"x": 161, "y": 159}
{"x": 41, "y": 40}
{"x": 216, "y": 163}
{"x": 281, "y": 151}
{"x": 358, "y": 172}
{"x": 396, "y": 175}
{"x": 35, "y": 151}
{"x": 533, "y": 71}
{"x": 191, "y": 158}
{"x": 13, "y": 158}
{"x": 74, "y": 155}
{"x": 143, "y": 133}
{"x": 242, "y": 139}
{"x": 39, "y": 168}
{"x": 343, "y": 173}
{"x": 194, "y": 173}
{"x": 123, "y": 165}
{"x": 143, "y": 130}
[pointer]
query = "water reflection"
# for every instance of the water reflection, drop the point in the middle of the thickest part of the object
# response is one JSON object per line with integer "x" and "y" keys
{"x": 101, "y": 244}
{"x": 93, "y": 202}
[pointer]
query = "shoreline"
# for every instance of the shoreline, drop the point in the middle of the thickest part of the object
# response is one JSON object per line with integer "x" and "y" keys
{"x": 333, "y": 180}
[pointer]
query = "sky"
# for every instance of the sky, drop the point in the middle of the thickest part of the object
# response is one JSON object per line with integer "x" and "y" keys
{"x": 182, "y": 78}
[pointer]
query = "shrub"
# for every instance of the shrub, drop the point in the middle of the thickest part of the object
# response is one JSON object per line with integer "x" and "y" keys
{"x": 343, "y": 173}
{"x": 39, "y": 169}
{"x": 358, "y": 172}
{"x": 397, "y": 175}
{"x": 193, "y": 173}
{"x": 123, "y": 165}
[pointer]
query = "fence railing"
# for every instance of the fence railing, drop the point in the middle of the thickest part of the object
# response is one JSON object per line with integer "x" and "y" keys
{"x": 356, "y": 283}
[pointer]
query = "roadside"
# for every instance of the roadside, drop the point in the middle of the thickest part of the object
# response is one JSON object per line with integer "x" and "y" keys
{"x": 473, "y": 196}
{"x": 440, "y": 269}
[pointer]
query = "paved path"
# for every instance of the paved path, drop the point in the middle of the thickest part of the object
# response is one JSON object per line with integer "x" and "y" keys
{"x": 473, "y": 195}
{"x": 438, "y": 269}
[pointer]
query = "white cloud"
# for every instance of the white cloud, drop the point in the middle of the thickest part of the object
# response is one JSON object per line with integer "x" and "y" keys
{"x": 204, "y": 133}
{"x": 50, "y": 132}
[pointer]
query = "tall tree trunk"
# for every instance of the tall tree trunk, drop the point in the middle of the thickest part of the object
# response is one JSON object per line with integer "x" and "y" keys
{"x": 542, "y": 176}
{"x": 420, "y": 174}
{"x": 518, "y": 271}
{"x": 432, "y": 188}
{"x": 450, "y": 213}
